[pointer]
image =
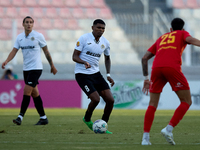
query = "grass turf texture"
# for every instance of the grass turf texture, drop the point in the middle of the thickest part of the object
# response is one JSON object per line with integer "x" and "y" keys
{"x": 66, "y": 130}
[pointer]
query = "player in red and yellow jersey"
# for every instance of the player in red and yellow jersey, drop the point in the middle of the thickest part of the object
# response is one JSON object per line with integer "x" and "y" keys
{"x": 166, "y": 67}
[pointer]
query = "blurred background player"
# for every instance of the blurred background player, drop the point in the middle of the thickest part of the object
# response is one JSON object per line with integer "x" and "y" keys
{"x": 88, "y": 50}
{"x": 9, "y": 74}
{"x": 167, "y": 68}
{"x": 31, "y": 43}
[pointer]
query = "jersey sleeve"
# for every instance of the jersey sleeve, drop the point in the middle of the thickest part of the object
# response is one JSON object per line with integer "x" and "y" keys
{"x": 80, "y": 44}
{"x": 16, "y": 45}
{"x": 152, "y": 49}
{"x": 107, "y": 50}
{"x": 42, "y": 41}
{"x": 185, "y": 34}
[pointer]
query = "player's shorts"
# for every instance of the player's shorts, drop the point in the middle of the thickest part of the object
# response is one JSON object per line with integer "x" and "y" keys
{"x": 160, "y": 76}
{"x": 90, "y": 83}
{"x": 31, "y": 77}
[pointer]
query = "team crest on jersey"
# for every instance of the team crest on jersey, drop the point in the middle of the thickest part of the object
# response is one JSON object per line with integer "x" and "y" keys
{"x": 32, "y": 39}
{"x": 102, "y": 46}
{"x": 78, "y": 44}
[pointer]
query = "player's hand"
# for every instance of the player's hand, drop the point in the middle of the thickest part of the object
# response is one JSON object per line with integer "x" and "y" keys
{"x": 111, "y": 81}
{"x": 3, "y": 65}
{"x": 53, "y": 70}
{"x": 145, "y": 88}
{"x": 87, "y": 65}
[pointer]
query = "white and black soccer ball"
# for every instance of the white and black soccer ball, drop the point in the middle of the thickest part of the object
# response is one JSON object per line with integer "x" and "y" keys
{"x": 100, "y": 126}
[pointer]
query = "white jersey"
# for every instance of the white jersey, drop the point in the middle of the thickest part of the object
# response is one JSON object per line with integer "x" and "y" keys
{"x": 91, "y": 52}
{"x": 31, "y": 49}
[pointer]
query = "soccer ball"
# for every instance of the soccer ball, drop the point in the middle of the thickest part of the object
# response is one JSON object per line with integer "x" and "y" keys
{"x": 100, "y": 126}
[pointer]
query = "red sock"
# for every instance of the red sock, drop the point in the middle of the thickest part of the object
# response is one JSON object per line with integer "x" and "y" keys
{"x": 148, "y": 118}
{"x": 179, "y": 113}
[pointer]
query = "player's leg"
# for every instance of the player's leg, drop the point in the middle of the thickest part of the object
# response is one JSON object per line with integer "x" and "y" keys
{"x": 95, "y": 99}
{"x": 158, "y": 81}
{"x": 24, "y": 105}
{"x": 109, "y": 100}
{"x": 39, "y": 106}
{"x": 149, "y": 117}
{"x": 180, "y": 85}
{"x": 104, "y": 90}
{"x": 185, "y": 99}
{"x": 26, "y": 97}
{"x": 86, "y": 84}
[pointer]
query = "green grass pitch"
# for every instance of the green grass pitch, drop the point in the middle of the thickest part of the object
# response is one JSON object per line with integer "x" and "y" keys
{"x": 66, "y": 131}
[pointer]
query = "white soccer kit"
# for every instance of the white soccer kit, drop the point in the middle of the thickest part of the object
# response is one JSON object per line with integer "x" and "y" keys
{"x": 91, "y": 52}
{"x": 31, "y": 49}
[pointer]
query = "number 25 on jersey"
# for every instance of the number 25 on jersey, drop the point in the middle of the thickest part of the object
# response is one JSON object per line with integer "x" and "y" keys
{"x": 167, "y": 38}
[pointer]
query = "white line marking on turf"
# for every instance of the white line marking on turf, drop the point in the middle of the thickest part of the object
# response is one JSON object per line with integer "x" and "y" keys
{"x": 112, "y": 143}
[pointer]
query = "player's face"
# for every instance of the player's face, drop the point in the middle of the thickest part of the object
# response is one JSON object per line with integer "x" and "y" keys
{"x": 98, "y": 29}
{"x": 28, "y": 24}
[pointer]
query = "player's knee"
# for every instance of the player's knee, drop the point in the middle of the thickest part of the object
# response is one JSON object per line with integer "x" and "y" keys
{"x": 27, "y": 91}
{"x": 95, "y": 100}
{"x": 112, "y": 101}
{"x": 190, "y": 102}
{"x": 109, "y": 101}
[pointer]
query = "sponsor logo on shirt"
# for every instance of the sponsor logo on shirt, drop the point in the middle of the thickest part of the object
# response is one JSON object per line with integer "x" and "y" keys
{"x": 78, "y": 44}
{"x": 29, "y": 82}
{"x": 89, "y": 43}
{"x": 27, "y": 47}
{"x": 93, "y": 54}
{"x": 178, "y": 84}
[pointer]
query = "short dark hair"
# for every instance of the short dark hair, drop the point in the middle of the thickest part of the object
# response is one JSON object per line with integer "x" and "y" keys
{"x": 177, "y": 24}
{"x": 27, "y": 17}
{"x": 98, "y": 21}
{"x": 8, "y": 71}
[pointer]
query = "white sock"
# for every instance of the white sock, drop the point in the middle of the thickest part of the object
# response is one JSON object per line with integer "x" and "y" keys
{"x": 145, "y": 135}
{"x": 43, "y": 117}
{"x": 169, "y": 128}
{"x": 21, "y": 117}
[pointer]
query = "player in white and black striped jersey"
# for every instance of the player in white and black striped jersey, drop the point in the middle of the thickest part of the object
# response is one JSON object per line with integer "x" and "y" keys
{"x": 31, "y": 43}
{"x": 87, "y": 52}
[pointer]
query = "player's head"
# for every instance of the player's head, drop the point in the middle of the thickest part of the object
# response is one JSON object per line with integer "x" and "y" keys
{"x": 177, "y": 24}
{"x": 28, "y": 23}
{"x": 98, "y": 21}
{"x": 98, "y": 28}
{"x": 26, "y": 18}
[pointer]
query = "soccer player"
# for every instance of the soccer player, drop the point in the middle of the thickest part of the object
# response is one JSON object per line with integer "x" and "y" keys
{"x": 167, "y": 68}
{"x": 31, "y": 43}
{"x": 87, "y": 52}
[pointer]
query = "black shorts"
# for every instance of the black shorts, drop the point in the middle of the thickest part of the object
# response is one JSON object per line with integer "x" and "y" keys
{"x": 31, "y": 77}
{"x": 90, "y": 83}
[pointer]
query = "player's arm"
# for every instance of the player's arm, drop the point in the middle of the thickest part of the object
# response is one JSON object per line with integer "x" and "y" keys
{"x": 10, "y": 57}
{"x": 145, "y": 59}
{"x": 107, "y": 65}
{"x": 192, "y": 41}
{"x": 76, "y": 58}
{"x": 48, "y": 56}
